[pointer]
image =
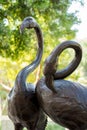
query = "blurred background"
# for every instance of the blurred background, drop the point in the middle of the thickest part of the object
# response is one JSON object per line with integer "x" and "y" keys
{"x": 59, "y": 21}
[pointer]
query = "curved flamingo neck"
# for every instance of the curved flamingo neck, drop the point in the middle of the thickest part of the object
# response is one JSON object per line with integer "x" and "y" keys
{"x": 22, "y": 75}
{"x": 74, "y": 63}
{"x": 51, "y": 61}
{"x": 50, "y": 69}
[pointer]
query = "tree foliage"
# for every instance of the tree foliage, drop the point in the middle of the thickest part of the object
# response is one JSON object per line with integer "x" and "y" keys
{"x": 15, "y": 50}
{"x": 53, "y": 16}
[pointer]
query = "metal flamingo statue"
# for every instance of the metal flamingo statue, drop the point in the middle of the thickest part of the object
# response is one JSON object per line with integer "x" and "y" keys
{"x": 65, "y": 102}
{"x": 23, "y": 107}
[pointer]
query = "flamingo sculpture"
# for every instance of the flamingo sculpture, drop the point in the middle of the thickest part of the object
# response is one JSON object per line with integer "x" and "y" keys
{"x": 23, "y": 107}
{"x": 65, "y": 102}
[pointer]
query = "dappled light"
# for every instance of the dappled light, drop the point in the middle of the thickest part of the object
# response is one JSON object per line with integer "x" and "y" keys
{"x": 18, "y": 50}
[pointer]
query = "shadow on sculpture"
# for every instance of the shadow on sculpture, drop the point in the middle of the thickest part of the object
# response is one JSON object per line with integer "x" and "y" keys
{"x": 65, "y": 102}
{"x": 23, "y": 107}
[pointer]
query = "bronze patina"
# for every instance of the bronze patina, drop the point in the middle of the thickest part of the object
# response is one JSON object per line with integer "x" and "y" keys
{"x": 23, "y": 107}
{"x": 65, "y": 102}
